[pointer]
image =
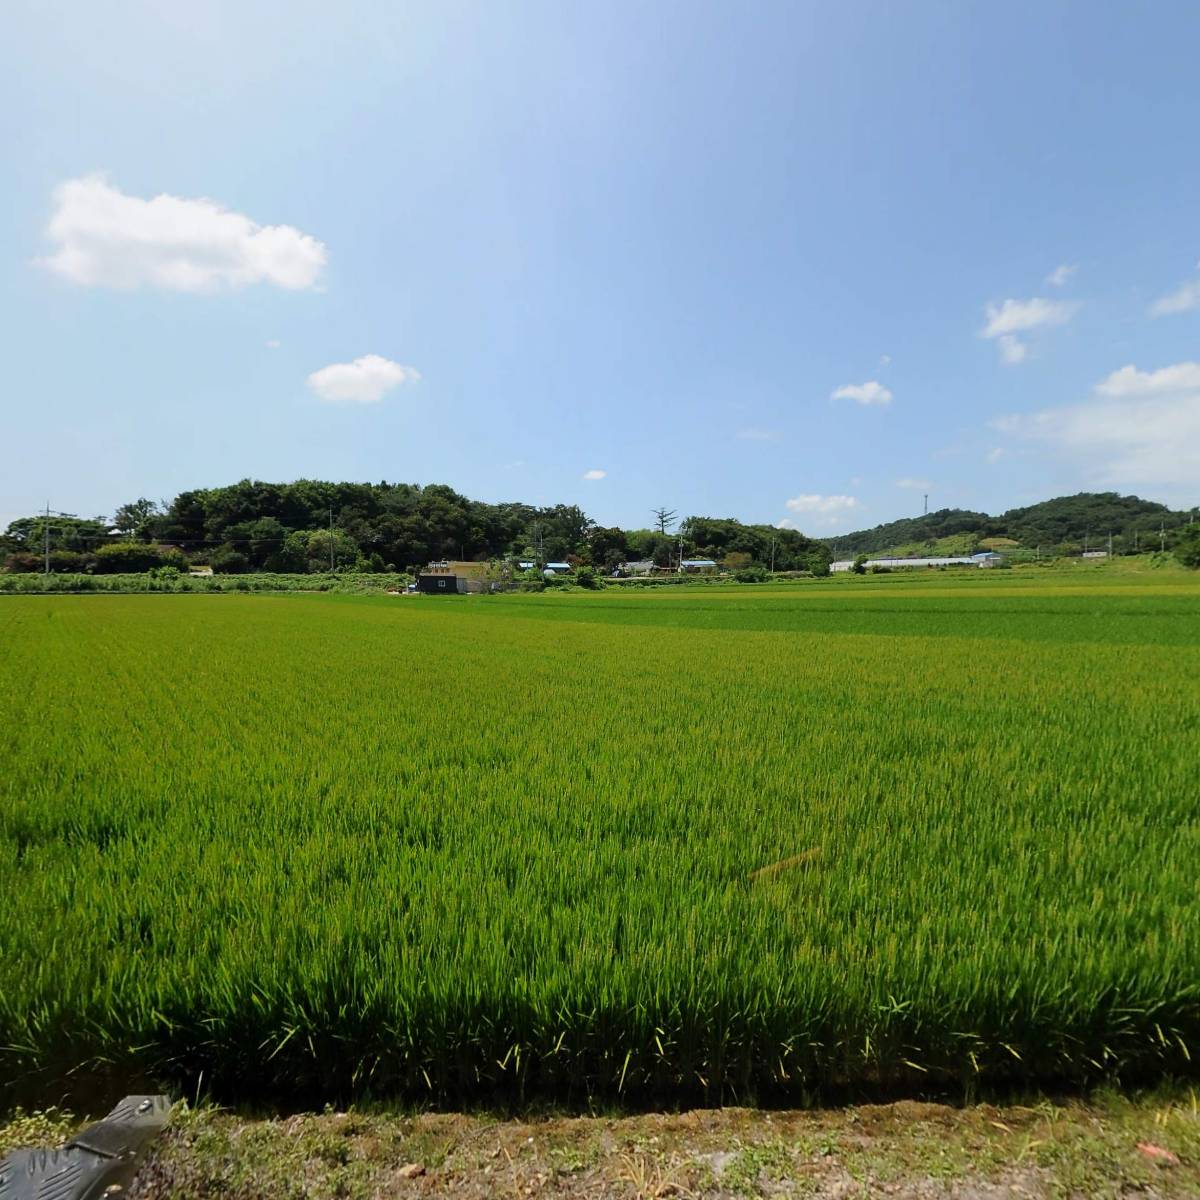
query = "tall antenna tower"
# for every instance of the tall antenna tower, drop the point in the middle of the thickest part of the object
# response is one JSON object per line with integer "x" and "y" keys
{"x": 927, "y": 504}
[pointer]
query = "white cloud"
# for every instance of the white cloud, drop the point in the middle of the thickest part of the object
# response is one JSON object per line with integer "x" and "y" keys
{"x": 1183, "y": 299}
{"x": 916, "y": 485}
{"x": 366, "y": 380}
{"x": 786, "y": 523}
{"x": 1020, "y": 316}
{"x": 1012, "y": 350}
{"x": 821, "y": 510}
{"x": 1138, "y": 428}
{"x": 871, "y": 392}
{"x": 273, "y": 343}
{"x": 995, "y": 454}
{"x": 759, "y": 435}
{"x": 105, "y": 238}
{"x": 1129, "y": 381}
{"x": 1059, "y": 276}
{"x": 884, "y": 359}
{"x": 814, "y": 503}
{"x": 594, "y": 473}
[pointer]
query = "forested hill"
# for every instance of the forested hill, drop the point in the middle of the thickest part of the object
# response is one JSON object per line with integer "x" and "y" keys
{"x": 1064, "y": 522}
{"x": 310, "y": 525}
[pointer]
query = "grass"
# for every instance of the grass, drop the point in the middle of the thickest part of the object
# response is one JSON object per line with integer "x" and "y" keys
{"x": 304, "y": 848}
{"x": 1036, "y": 1149}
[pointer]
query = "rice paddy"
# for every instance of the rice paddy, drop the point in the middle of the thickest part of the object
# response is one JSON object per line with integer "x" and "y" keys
{"x": 715, "y": 844}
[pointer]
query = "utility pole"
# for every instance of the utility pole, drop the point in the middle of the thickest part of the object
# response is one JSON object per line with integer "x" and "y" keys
{"x": 772, "y": 554}
{"x": 331, "y": 541}
{"x": 46, "y": 537}
{"x": 1162, "y": 535}
{"x": 1110, "y": 545}
{"x": 927, "y": 504}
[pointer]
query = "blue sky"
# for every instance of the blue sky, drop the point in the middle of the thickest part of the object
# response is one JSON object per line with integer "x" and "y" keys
{"x": 785, "y": 262}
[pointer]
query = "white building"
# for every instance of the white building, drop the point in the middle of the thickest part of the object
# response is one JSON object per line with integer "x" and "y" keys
{"x": 987, "y": 558}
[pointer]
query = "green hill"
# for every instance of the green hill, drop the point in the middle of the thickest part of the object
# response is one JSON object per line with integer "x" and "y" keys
{"x": 1061, "y": 523}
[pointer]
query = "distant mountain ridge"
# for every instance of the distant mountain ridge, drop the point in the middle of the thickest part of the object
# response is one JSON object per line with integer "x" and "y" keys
{"x": 1064, "y": 521}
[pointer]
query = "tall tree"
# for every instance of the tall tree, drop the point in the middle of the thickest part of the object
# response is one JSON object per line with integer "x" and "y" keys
{"x": 136, "y": 519}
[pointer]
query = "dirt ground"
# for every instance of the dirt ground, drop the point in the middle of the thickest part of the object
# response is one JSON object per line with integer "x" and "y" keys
{"x": 1110, "y": 1146}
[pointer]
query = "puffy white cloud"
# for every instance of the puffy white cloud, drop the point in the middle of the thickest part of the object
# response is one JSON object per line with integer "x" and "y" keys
{"x": 1183, "y": 299}
{"x": 273, "y": 343}
{"x": 594, "y": 473}
{"x": 366, "y": 380}
{"x": 1012, "y": 350}
{"x": 1129, "y": 381}
{"x": 1020, "y": 316}
{"x": 105, "y": 238}
{"x": 871, "y": 392}
{"x": 916, "y": 485}
{"x": 1137, "y": 428}
{"x": 1059, "y": 276}
{"x": 759, "y": 435}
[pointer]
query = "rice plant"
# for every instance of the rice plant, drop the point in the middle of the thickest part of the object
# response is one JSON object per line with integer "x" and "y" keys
{"x": 707, "y": 845}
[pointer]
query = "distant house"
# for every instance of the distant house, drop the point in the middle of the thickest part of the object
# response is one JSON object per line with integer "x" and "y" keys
{"x": 697, "y": 566}
{"x": 558, "y": 568}
{"x": 628, "y": 570}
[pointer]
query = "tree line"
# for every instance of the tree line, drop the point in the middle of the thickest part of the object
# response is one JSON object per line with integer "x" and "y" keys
{"x": 312, "y": 526}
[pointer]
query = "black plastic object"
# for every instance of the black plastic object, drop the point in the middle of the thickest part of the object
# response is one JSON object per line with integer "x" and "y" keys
{"x": 100, "y": 1161}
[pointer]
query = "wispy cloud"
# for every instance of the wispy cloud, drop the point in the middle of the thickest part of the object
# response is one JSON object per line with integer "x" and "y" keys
{"x": 759, "y": 435}
{"x": 1020, "y": 316}
{"x": 1011, "y": 317}
{"x": 870, "y": 393}
{"x": 1138, "y": 428}
{"x": 822, "y": 510}
{"x": 1061, "y": 274}
{"x": 916, "y": 485}
{"x": 1183, "y": 299}
{"x": 1012, "y": 350}
{"x": 105, "y": 238}
{"x": 366, "y": 380}
{"x": 273, "y": 343}
{"x": 594, "y": 474}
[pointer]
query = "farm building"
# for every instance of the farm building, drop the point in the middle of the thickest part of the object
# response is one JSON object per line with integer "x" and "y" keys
{"x": 697, "y": 566}
{"x": 644, "y": 566}
{"x": 441, "y": 578}
{"x": 986, "y": 558}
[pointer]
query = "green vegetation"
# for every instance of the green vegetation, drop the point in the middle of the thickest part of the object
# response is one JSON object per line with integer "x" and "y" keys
{"x": 285, "y": 529}
{"x": 167, "y": 579}
{"x": 1060, "y": 526}
{"x": 1109, "y": 1147}
{"x": 308, "y": 847}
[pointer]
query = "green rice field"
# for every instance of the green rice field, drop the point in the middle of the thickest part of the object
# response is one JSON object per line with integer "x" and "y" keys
{"x": 304, "y": 848}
